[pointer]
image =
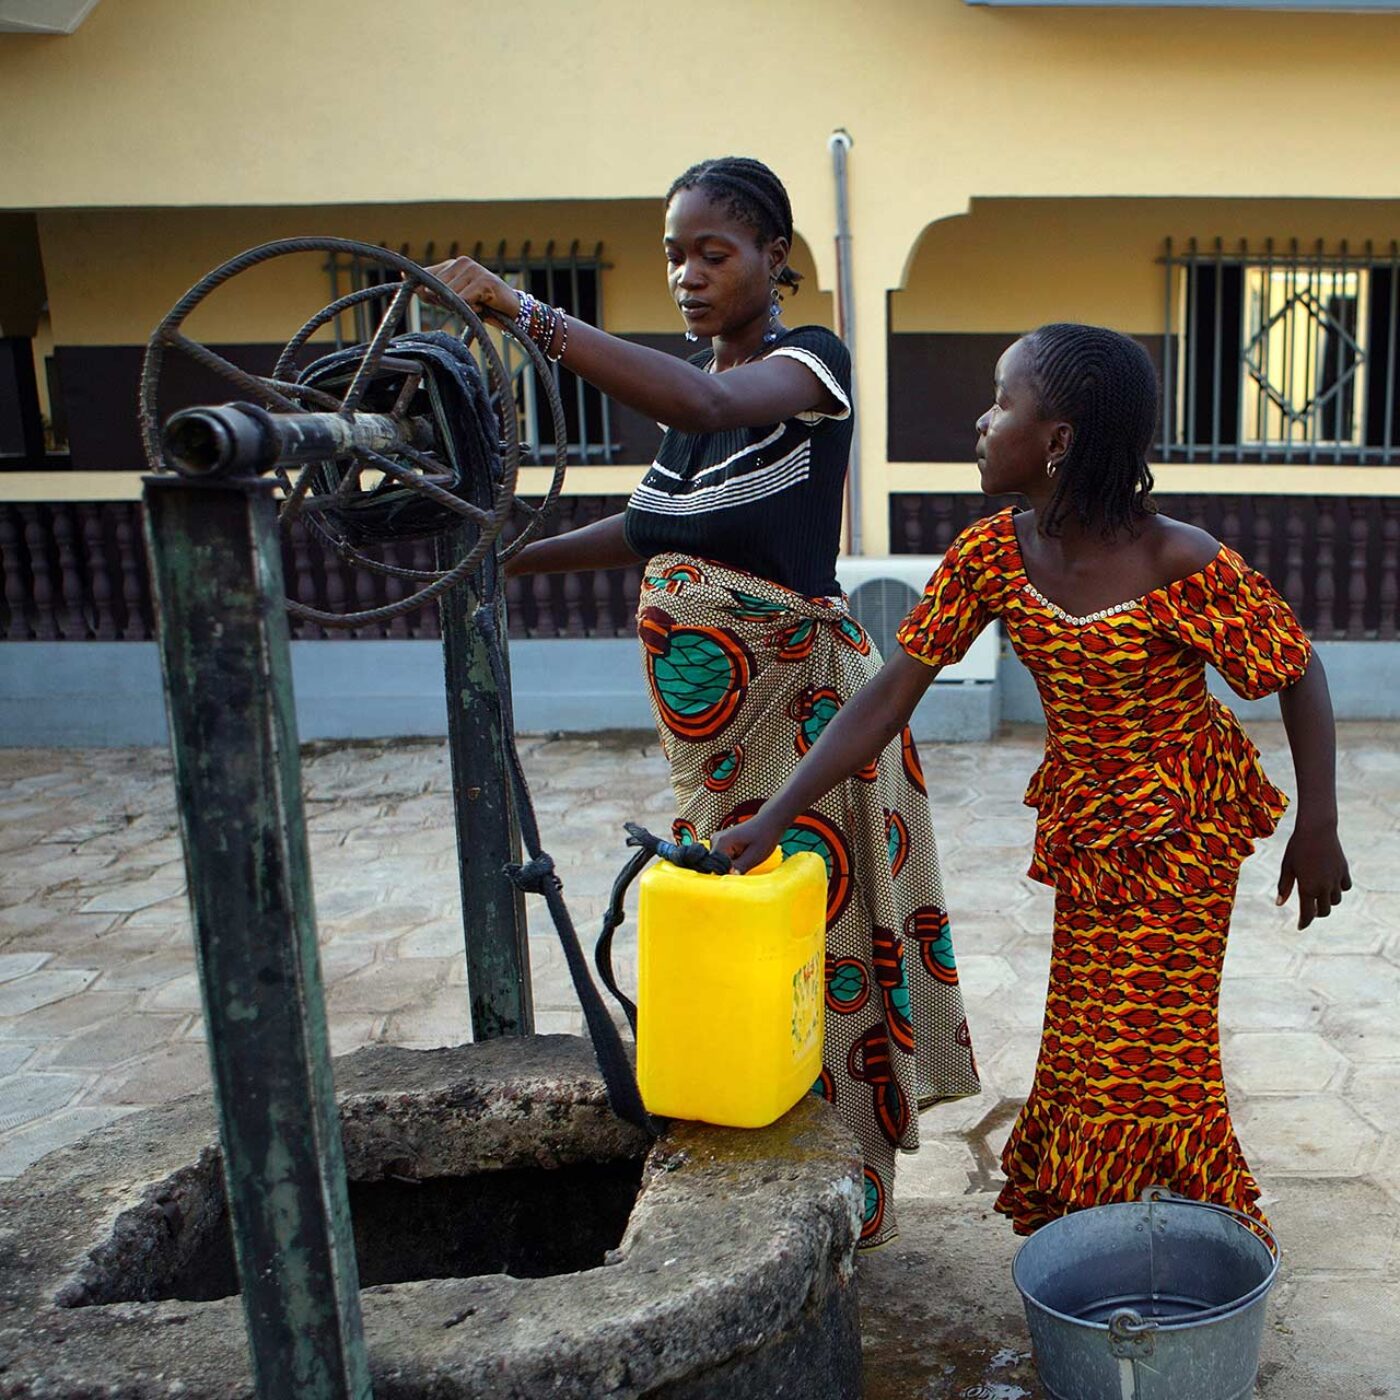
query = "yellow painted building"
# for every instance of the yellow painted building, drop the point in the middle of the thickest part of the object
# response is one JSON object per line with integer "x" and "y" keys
{"x": 1010, "y": 164}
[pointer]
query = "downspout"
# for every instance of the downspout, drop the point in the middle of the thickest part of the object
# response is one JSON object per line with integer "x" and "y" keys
{"x": 839, "y": 145}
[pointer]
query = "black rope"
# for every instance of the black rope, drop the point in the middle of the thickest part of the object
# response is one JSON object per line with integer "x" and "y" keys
{"x": 538, "y": 877}
{"x": 616, "y": 913}
{"x": 693, "y": 855}
{"x": 534, "y": 874}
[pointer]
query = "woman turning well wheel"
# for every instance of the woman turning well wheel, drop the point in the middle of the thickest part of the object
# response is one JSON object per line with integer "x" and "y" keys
{"x": 748, "y": 647}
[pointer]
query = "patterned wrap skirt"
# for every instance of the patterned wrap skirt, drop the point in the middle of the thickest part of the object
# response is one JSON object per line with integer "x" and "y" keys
{"x": 744, "y": 675}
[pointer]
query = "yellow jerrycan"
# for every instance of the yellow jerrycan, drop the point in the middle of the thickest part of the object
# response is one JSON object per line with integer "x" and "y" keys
{"x": 731, "y": 989}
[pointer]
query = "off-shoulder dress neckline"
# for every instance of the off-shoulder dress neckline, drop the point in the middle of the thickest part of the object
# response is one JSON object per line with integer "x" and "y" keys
{"x": 1028, "y": 585}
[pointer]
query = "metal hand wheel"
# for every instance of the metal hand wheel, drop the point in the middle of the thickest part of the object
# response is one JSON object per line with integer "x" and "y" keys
{"x": 380, "y": 429}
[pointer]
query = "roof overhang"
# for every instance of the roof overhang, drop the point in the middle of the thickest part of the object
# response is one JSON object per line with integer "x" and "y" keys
{"x": 43, "y": 16}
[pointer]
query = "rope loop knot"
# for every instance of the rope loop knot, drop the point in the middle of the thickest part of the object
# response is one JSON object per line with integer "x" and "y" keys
{"x": 535, "y": 876}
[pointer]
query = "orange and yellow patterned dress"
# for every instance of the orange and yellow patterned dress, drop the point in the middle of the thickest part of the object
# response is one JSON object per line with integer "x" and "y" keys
{"x": 1148, "y": 799}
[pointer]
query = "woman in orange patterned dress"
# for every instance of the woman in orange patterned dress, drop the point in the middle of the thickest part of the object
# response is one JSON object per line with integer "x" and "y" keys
{"x": 1150, "y": 794}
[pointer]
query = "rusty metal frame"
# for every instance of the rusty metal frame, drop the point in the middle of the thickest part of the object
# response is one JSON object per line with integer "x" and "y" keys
{"x": 280, "y": 392}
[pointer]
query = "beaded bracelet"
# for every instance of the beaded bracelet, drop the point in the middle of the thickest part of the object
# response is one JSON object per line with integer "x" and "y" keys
{"x": 543, "y": 324}
{"x": 562, "y": 320}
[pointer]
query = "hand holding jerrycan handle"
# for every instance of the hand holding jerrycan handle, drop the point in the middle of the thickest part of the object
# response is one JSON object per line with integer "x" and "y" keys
{"x": 731, "y": 989}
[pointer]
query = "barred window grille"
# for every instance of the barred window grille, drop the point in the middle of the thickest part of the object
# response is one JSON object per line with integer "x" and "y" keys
{"x": 571, "y": 279}
{"x": 1285, "y": 355}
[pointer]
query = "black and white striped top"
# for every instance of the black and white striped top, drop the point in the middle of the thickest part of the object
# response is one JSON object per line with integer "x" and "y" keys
{"x": 767, "y": 499}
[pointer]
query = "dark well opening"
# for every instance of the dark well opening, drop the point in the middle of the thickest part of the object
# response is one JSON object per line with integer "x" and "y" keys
{"x": 529, "y": 1222}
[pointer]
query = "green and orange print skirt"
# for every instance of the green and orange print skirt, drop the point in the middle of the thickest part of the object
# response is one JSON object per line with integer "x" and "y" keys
{"x": 744, "y": 675}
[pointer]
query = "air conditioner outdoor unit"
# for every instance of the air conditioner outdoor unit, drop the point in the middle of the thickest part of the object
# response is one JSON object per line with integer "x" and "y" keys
{"x": 965, "y": 701}
{"x": 881, "y": 592}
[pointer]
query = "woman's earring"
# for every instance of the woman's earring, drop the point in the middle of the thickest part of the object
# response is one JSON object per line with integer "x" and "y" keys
{"x": 691, "y": 336}
{"x": 1051, "y": 467}
{"x": 775, "y": 312}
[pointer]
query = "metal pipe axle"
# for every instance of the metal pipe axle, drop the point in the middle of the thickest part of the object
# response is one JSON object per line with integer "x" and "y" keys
{"x": 240, "y": 440}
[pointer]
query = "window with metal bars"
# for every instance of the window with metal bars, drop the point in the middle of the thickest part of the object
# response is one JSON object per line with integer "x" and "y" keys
{"x": 569, "y": 278}
{"x": 1285, "y": 355}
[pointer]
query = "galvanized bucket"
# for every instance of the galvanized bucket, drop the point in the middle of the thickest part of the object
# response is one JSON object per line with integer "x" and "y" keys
{"x": 1158, "y": 1299}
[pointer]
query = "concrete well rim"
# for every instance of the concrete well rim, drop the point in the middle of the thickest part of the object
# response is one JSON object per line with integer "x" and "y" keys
{"x": 776, "y": 1210}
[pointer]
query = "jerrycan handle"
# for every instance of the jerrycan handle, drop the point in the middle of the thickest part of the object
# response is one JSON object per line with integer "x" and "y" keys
{"x": 692, "y": 856}
{"x": 689, "y": 857}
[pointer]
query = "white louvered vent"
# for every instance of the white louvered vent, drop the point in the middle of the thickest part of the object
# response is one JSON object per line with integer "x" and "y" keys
{"x": 883, "y": 589}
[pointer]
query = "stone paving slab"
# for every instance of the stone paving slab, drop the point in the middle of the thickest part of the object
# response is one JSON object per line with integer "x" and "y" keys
{"x": 99, "y": 1006}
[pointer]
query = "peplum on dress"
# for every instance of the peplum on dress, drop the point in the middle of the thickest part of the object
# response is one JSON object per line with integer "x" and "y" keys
{"x": 1149, "y": 797}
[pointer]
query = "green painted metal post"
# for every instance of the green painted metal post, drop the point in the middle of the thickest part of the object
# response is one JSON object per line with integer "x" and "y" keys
{"x": 217, "y": 573}
{"x": 488, "y": 836}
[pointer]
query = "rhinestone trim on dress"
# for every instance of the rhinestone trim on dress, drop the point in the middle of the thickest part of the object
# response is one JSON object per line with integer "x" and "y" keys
{"x": 1059, "y": 612}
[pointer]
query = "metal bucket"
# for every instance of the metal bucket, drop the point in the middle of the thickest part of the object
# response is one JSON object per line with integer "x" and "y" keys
{"x": 1158, "y": 1299}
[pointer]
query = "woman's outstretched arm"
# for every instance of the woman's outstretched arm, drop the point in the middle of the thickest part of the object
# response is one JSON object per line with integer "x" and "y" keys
{"x": 668, "y": 389}
{"x": 855, "y": 737}
{"x": 600, "y": 545}
{"x": 1314, "y": 859}
{"x": 676, "y": 393}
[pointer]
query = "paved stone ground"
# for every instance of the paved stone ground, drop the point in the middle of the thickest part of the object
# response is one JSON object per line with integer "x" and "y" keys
{"x": 99, "y": 1010}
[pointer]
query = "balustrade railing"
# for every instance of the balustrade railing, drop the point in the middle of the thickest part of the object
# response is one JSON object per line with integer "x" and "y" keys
{"x": 76, "y": 571}
{"x": 1335, "y": 558}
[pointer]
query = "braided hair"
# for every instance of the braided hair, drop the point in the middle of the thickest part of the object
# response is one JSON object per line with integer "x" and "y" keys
{"x": 1104, "y": 384}
{"x": 751, "y": 192}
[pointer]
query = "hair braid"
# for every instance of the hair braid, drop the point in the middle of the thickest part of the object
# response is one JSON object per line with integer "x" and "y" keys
{"x": 751, "y": 192}
{"x": 1105, "y": 386}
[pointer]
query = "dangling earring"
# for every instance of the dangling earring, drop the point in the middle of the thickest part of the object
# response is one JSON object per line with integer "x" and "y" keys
{"x": 775, "y": 312}
{"x": 1051, "y": 468}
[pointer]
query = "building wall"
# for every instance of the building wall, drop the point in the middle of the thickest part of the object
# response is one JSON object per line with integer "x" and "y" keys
{"x": 328, "y": 102}
{"x": 325, "y": 101}
{"x": 973, "y": 282}
{"x": 977, "y": 280}
{"x": 113, "y": 273}
{"x": 108, "y": 694}
{"x": 265, "y": 111}
{"x": 1008, "y": 265}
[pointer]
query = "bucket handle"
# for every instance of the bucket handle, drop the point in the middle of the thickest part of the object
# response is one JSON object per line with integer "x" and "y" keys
{"x": 1151, "y": 1194}
{"x": 1130, "y": 1334}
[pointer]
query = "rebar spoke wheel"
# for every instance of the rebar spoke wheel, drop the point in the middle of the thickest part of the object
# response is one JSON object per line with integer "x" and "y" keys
{"x": 374, "y": 378}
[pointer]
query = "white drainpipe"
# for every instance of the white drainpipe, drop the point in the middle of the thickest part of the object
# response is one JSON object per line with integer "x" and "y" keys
{"x": 839, "y": 145}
